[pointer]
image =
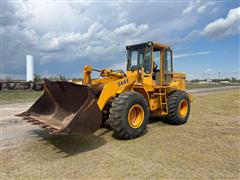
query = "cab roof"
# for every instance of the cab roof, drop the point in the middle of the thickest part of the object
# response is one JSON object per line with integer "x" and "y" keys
{"x": 149, "y": 43}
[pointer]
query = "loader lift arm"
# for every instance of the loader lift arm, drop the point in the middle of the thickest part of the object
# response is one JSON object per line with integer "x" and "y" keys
{"x": 120, "y": 84}
{"x": 87, "y": 71}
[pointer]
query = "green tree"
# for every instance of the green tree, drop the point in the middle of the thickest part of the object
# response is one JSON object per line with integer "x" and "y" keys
{"x": 62, "y": 78}
{"x": 8, "y": 78}
{"x": 37, "y": 78}
{"x": 233, "y": 79}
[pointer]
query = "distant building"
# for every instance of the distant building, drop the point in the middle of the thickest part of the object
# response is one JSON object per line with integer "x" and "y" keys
{"x": 202, "y": 82}
{"x": 225, "y": 82}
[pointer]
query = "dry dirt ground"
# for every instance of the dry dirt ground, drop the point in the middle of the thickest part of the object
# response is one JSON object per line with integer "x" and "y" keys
{"x": 206, "y": 147}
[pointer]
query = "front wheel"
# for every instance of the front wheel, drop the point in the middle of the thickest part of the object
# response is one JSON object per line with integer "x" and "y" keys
{"x": 178, "y": 108}
{"x": 129, "y": 115}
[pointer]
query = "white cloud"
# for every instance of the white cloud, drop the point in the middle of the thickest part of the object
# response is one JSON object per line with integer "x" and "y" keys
{"x": 119, "y": 66}
{"x": 56, "y": 40}
{"x": 178, "y": 56}
{"x": 122, "y": 17}
{"x": 94, "y": 28}
{"x": 224, "y": 26}
{"x": 90, "y": 32}
{"x": 204, "y": 7}
{"x": 55, "y": 16}
{"x": 190, "y": 7}
{"x": 199, "y": 7}
{"x": 97, "y": 43}
{"x": 53, "y": 42}
{"x": 131, "y": 29}
{"x": 209, "y": 70}
{"x": 188, "y": 38}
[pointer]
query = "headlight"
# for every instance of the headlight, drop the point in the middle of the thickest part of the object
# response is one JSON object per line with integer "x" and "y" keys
{"x": 139, "y": 71}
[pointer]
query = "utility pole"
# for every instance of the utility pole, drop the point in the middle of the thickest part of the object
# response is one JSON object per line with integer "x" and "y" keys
{"x": 219, "y": 75}
{"x": 203, "y": 76}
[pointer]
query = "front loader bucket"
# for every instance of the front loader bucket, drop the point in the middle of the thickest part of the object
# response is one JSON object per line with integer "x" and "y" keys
{"x": 65, "y": 108}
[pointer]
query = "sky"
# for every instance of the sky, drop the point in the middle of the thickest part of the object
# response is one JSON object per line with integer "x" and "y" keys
{"x": 64, "y": 36}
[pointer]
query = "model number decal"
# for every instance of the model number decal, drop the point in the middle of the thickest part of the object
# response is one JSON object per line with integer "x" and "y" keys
{"x": 125, "y": 81}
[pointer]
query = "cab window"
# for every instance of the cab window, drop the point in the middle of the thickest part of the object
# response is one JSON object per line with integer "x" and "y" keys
{"x": 156, "y": 60}
{"x": 168, "y": 61}
{"x": 147, "y": 62}
{"x": 135, "y": 59}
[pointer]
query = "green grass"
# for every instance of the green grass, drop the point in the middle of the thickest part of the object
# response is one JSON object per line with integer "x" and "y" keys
{"x": 19, "y": 96}
{"x": 207, "y": 147}
{"x": 15, "y": 96}
{"x": 197, "y": 86}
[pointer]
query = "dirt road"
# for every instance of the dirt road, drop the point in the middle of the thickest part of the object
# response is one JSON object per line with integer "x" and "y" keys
{"x": 206, "y": 91}
{"x": 13, "y": 129}
{"x": 207, "y": 146}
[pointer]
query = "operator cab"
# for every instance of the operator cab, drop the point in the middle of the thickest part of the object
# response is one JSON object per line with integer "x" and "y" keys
{"x": 154, "y": 58}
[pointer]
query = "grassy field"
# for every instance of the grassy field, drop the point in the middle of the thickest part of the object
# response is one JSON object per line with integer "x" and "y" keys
{"x": 19, "y": 96}
{"x": 197, "y": 86}
{"x": 206, "y": 147}
{"x": 29, "y": 96}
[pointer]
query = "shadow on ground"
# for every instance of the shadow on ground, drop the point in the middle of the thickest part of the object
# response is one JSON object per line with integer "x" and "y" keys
{"x": 72, "y": 145}
{"x": 69, "y": 144}
{"x": 157, "y": 120}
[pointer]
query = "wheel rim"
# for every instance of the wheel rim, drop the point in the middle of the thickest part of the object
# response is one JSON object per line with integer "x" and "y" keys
{"x": 135, "y": 116}
{"x": 183, "y": 108}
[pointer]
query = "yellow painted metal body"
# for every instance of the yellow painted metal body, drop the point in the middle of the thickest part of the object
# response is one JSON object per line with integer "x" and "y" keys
{"x": 114, "y": 83}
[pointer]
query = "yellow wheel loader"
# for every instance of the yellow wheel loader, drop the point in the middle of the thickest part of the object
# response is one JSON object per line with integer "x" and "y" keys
{"x": 124, "y": 99}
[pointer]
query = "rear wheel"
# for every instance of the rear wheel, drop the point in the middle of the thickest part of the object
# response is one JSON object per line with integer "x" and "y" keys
{"x": 129, "y": 115}
{"x": 178, "y": 108}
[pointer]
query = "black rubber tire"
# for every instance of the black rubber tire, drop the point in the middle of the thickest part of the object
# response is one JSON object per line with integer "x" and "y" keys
{"x": 118, "y": 117}
{"x": 173, "y": 103}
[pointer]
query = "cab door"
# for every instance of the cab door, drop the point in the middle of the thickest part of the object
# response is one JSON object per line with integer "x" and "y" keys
{"x": 157, "y": 65}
